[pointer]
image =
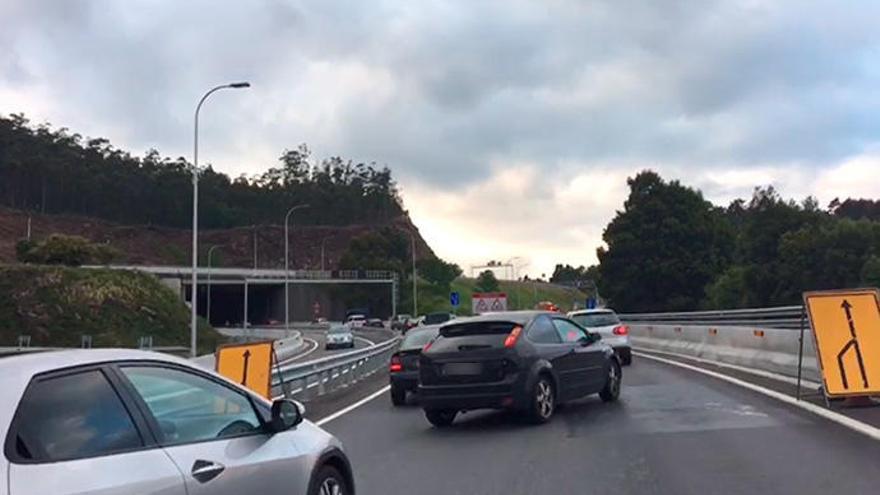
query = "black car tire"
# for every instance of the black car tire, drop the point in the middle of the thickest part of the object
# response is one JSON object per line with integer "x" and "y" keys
{"x": 398, "y": 396}
{"x": 612, "y": 383}
{"x": 327, "y": 478}
{"x": 441, "y": 418}
{"x": 626, "y": 357}
{"x": 542, "y": 401}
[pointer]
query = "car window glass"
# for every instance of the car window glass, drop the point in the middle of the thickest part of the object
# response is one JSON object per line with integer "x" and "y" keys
{"x": 568, "y": 331}
{"x": 191, "y": 408}
{"x": 418, "y": 338}
{"x": 73, "y": 416}
{"x": 603, "y": 319}
{"x": 542, "y": 331}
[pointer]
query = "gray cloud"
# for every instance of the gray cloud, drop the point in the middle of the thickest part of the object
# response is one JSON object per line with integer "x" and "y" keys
{"x": 444, "y": 91}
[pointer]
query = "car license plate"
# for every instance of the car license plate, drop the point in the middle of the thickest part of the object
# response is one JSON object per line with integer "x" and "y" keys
{"x": 462, "y": 369}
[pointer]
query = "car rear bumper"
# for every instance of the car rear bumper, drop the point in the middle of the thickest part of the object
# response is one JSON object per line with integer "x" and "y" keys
{"x": 509, "y": 393}
{"x": 617, "y": 342}
{"x": 406, "y": 380}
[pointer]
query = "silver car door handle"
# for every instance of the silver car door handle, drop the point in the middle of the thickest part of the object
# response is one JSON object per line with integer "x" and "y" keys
{"x": 205, "y": 471}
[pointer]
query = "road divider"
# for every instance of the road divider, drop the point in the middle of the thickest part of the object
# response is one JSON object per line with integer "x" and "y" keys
{"x": 311, "y": 379}
{"x": 772, "y": 350}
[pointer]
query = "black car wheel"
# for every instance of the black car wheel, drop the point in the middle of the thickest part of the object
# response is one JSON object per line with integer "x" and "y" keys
{"x": 398, "y": 396}
{"x": 328, "y": 482}
{"x": 440, "y": 418}
{"x": 543, "y": 402}
{"x": 612, "y": 384}
{"x": 626, "y": 357}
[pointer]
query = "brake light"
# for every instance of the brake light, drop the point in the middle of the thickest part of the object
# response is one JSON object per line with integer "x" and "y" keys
{"x": 396, "y": 365}
{"x": 621, "y": 330}
{"x": 512, "y": 337}
{"x": 428, "y": 345}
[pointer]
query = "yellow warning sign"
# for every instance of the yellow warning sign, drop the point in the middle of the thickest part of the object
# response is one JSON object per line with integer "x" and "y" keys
{"x": 248, "y": 364}
{"x": 846, "y": 329}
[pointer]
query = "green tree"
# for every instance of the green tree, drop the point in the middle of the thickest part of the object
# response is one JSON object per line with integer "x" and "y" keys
{"x": 870, "y": 273}
{"x": 387, "y": 249}
{"x": 764, "y": 275}
{"x": 729, "y": 290}
{"x": 438, "y": 272}
{"x": 664, "y": 248}
{"x": 486, "y": 282}
{"x": 53, "y": 171}
{"x": 567, "y": 273}
{"x": 830, "y": 255}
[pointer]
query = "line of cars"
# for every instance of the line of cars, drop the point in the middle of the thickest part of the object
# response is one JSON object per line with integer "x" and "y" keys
{"x": 526, "y": 361}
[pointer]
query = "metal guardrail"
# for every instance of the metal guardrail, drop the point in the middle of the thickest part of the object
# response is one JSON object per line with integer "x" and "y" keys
{"x": 782, "y": 317}
{"x": 317, "y": 377}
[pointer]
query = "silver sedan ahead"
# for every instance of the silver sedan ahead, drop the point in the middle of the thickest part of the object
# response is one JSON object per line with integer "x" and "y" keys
{"x": 339, "y": 336}
{"x": 120, "y": 422}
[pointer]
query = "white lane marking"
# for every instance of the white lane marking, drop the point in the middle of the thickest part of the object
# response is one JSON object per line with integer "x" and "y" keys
{"x": 352, "y": 407}
{"x": 835, "y": 417}
{"x": 369, "y": 342}
{"x": 314, "y": 344}
{"x": 761, "y": 373}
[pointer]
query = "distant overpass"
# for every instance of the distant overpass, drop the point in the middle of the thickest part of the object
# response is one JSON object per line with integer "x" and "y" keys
{"x": 245, "y": 296}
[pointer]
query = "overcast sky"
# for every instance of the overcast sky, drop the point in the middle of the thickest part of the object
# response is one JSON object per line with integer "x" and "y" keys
{"x": 511, "y": 126}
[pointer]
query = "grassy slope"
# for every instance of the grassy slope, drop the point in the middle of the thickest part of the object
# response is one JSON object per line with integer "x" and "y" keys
{"x": 57, "y": 305}
{"x": 520, "y": 295}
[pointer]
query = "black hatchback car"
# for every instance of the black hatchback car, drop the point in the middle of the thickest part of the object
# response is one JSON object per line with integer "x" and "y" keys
{"x": 528, "y": 361}
{"x": 403, "y": 372}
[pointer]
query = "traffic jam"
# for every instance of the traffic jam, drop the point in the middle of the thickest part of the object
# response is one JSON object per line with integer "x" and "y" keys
{"x": 114, "y": 421}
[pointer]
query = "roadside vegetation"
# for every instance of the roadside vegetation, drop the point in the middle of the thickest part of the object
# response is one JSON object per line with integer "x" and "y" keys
{"x": 669, "y": 249}
{"x": 55, "y": 171}
{"x": 57, "y": 305}
{"x": 69, "y": 250}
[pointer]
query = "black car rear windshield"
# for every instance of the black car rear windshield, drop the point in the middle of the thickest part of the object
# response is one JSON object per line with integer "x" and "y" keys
{"x": 477, "y": 328}
{"x": 596, "y": 319}
{"x": 417, "y": 339}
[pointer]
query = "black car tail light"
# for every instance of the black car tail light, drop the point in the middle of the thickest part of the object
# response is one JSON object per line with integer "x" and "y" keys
{"x": 396, "y": 364}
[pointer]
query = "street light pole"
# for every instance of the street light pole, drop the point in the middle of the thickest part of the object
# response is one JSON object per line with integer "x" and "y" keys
{"x": 208, "y": 306}
{"x": 195, "y": 216}
{"x": 414, "y": 276}
{"x": 287, "y": 267}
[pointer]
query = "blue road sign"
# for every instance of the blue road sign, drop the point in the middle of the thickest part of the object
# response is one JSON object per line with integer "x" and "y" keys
{"x": 591, "y": 303}
{"x": 454, "y": 299}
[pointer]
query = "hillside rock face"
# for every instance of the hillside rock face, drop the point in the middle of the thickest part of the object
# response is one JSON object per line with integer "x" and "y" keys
{"x": 151, "y": 245}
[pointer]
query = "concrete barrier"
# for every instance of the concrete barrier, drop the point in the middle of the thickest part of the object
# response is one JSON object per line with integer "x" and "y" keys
{"x": 766, "y": 349}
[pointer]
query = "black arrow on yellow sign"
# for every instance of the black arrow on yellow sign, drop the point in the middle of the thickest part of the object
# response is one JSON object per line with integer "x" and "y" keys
{"x": 852, "y": 344}
{"x": 247, "y": 357}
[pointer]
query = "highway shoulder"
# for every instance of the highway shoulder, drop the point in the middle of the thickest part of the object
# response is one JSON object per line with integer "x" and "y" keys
{"x": 865, "y": 420}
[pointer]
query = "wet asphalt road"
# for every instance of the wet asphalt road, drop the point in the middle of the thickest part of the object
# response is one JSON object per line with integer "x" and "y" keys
{"x": 673, "y": 432}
